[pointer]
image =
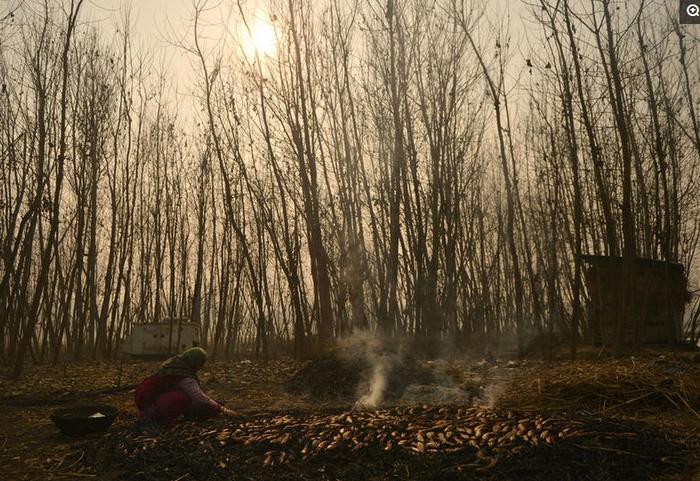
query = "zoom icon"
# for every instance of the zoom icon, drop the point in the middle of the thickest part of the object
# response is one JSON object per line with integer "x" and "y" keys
{"x": 689, "y": 12}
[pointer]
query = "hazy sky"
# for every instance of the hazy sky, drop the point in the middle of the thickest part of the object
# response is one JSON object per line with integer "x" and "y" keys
{"x": 157, "y": 24}
{"x": 154, "y": 20}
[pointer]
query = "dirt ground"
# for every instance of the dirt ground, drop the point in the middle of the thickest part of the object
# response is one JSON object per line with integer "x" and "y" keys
{"x": 635, "y": 418}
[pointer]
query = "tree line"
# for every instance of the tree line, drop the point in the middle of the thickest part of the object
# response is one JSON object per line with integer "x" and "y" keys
{"x": 402, "y": 166}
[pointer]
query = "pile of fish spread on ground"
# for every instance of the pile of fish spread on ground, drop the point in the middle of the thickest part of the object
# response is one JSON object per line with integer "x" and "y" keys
{"x": 419, "y": 442}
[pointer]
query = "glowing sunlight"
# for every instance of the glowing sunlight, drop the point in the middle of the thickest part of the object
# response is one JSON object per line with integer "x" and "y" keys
{"x": 260, "y": 39}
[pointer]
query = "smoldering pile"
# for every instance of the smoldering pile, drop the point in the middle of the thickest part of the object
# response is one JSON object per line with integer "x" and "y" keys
{"x": 375, "y": 372}
{"x": 337, "y": 375}
{"x": 328, "y": 377}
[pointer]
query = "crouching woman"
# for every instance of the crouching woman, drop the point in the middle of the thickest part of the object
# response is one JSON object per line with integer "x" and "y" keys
{"x": 174, "y": 391}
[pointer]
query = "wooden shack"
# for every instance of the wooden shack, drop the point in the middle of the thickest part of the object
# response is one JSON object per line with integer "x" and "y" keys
{"x": 661, "y": 292}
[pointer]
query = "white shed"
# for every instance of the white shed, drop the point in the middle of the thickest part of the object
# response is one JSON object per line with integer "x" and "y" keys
{"x": 162, "y": 339}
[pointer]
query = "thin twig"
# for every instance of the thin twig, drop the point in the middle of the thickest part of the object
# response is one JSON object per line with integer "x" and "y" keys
{"x": 82, "y": 455}
{"x": 688, "y": 405}
{"x": 612, "y": 450}
{"x": 629, "y": 401}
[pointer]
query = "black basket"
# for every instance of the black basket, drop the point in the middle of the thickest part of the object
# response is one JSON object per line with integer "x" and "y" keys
{"x": 76, "y": 421}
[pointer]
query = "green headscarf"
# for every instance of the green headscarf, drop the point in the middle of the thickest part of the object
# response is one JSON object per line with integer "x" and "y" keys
{"x": 185, "y": 364}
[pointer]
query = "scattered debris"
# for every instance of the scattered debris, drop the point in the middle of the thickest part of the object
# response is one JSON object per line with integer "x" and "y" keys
{"x": 622, "y": 386}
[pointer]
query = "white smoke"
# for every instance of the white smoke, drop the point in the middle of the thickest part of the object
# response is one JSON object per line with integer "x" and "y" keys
{"x": 372, "y": 349}
{"x": 451, "y": 382}
{"x": 377, "y": 386}
{"x": 491, "y": 394}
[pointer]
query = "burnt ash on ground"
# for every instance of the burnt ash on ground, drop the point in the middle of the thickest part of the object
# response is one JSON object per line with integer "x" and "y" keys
{"x": 416, "y": 443}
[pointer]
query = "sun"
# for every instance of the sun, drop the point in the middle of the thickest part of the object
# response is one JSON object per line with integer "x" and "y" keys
{"x": 261, "y": 40}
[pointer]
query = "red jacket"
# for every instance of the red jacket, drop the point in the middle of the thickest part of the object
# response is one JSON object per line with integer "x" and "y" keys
{"x": 152, "y": 387}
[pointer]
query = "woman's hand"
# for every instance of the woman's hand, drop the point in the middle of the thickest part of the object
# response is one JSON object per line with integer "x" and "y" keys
{"x": 227, "y": 412}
